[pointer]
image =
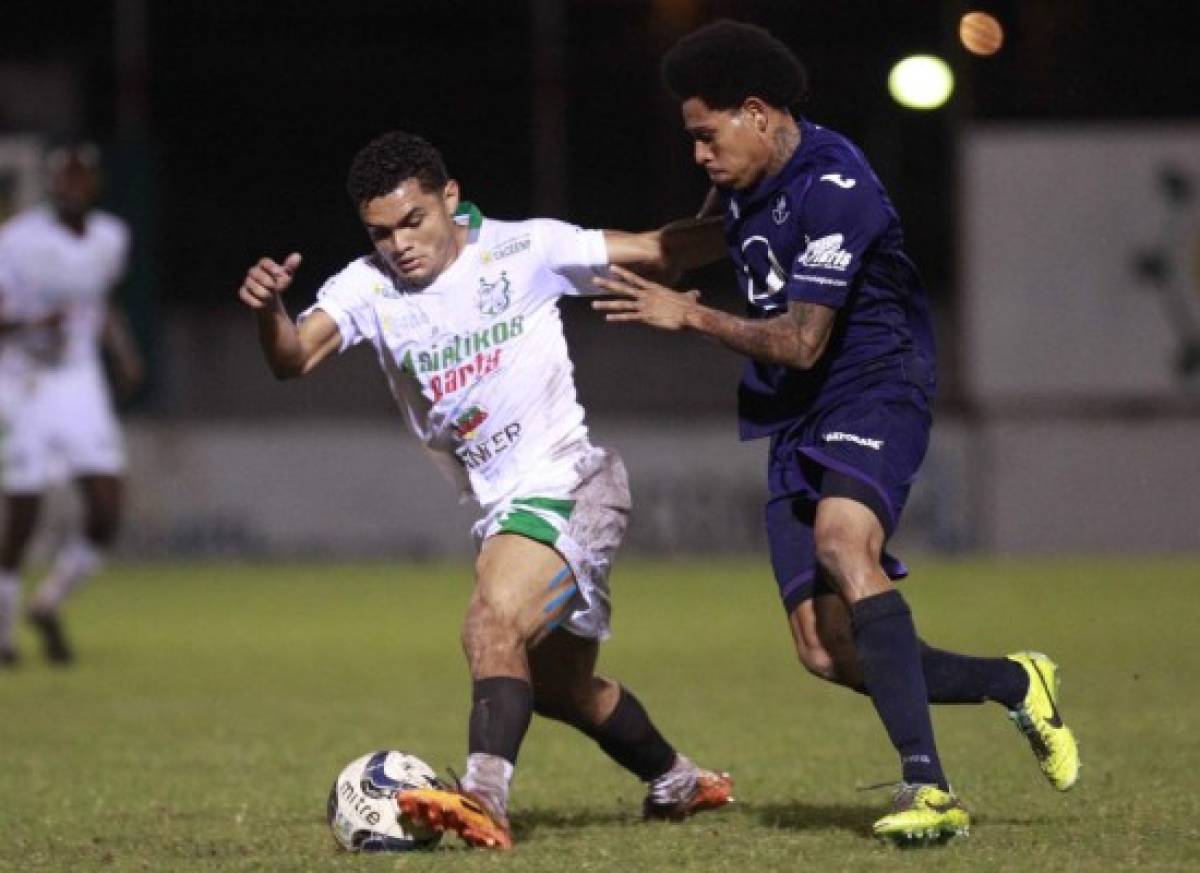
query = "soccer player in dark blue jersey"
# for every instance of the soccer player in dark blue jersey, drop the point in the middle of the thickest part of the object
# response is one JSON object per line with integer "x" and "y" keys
{"x": 840, "y": 378}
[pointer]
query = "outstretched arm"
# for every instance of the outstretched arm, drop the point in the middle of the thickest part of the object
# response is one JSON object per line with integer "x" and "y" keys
{"x": 291, "y": 350}
{"x": 680, "y": 245}
{"x": 796, "y": 339}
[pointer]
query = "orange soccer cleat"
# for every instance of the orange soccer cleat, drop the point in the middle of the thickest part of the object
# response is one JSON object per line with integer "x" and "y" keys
{"x": 712, "y": 791}
{"x": 464, "y": 812}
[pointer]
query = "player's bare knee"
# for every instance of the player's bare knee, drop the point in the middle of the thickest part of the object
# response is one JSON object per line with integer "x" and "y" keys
{"x": 848, "y": 562}
{"x": 837, "y": 551}
{"x": 816, "y": 661}
{"x": 831, "y": 666}
{"x": 821, "y": 660}
{"x": 489, "y": 634}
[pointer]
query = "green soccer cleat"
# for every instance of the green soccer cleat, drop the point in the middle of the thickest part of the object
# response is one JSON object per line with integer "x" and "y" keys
{"x": 923, "y": 815}
{"x": 1039, "y": 720}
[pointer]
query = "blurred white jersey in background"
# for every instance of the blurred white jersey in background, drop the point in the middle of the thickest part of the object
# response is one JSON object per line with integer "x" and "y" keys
{"x": 54, "y": 401}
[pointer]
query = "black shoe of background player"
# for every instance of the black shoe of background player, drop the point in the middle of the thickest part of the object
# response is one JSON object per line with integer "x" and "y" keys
{"x": 9, "y": 658}
{"x": 54, "y": 641}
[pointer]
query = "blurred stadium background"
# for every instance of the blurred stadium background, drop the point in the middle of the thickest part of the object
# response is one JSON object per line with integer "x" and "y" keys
{"x": 1051, "y": 204}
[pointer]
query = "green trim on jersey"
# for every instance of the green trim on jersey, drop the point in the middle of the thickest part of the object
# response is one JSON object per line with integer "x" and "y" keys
{"x": 561, "y": 508}
{"x": 469, "y": 211}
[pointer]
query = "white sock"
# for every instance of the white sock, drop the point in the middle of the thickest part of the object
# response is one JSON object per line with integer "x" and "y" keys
{"x": 677, "y": 784}
{"x": 10, "y": 603}
{"x": 77, "y": 561}
{"x": 490, "y": 777}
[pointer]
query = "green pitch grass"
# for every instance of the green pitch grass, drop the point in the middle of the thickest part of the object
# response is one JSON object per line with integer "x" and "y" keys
{"x": 213, "y": 705}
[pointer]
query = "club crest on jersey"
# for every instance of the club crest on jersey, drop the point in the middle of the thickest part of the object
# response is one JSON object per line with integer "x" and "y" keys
{"x": 782, "y": 208}
{"x": 494, "y": 297}
{"x": 469, "y": 422}
{"x": 826, "y": 253}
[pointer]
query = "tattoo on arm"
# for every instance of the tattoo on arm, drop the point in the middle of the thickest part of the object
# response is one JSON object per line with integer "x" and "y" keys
{"x": 795, "y": 339}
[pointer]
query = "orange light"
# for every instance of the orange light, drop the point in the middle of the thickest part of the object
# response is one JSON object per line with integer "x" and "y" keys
{"x": 980, "y": 33}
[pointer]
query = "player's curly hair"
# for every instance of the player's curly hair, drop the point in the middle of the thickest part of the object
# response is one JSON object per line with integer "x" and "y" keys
{"x": 725, "y": 62}
{"x": 386, "y": 161}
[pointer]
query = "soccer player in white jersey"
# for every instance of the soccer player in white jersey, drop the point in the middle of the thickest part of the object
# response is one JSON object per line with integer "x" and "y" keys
{"x": 462, "y": 313}
{"x": 59, "y": 263}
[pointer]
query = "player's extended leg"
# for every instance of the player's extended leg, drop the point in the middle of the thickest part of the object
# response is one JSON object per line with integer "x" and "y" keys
{"x": 1025, "y": 683}
{"x": 849, "y": 544}
{"x": 523, "y": 589}
{"x": 21, "y": 513}
{"x": 567, "y": 689}
{"x": 824, "y": 638}
{"x": 79, "y": 559}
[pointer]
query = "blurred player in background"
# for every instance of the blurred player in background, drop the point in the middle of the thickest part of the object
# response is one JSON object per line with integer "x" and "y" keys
{"x": 462, "y": 313}
{"x": 840, "y": 378}
{"x": 59, "y": 263}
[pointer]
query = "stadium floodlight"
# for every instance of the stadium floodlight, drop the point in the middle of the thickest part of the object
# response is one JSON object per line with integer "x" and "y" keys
{"x": 921, "y": 82}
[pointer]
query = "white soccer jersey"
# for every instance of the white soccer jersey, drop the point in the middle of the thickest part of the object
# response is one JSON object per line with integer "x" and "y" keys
{"x": 45, "y": 268}
{"x": 55, "y": 414}
{"x": 477, "y": 360}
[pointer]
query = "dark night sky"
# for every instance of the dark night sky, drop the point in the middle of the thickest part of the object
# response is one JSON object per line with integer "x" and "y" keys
{"x": 254, "y": 108}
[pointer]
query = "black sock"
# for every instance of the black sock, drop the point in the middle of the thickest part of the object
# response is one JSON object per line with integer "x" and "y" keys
{"x": 502, "y": 707}
{"x": 631, "y": 739}
{"x": 954, "y": 678}
{"x": 890, "y": 661}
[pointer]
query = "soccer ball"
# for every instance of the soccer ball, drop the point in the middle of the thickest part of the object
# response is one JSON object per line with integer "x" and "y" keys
{"x": 362, "y": 811}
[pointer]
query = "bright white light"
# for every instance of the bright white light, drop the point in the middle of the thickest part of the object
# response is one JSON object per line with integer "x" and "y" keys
{"x": 921, "y": 82}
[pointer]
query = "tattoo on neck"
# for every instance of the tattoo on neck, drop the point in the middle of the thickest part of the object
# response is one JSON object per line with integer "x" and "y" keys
{"x": 787, "y": 138}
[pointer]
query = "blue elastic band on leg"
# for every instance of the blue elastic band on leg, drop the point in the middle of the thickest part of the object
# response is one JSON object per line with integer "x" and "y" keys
{"x": 560, "y": 599}
{"x": 562, "y": 574}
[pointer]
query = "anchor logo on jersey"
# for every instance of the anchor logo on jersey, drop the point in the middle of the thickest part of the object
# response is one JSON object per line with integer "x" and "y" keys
{"x": 782, "y": 208}
{"x": 494, "y": 297}
{"x": 763, "y": 277}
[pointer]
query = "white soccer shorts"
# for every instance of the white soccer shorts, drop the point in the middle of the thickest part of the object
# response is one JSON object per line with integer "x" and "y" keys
{"x": 57, "y": 425}
{"x": 585, "y": 527}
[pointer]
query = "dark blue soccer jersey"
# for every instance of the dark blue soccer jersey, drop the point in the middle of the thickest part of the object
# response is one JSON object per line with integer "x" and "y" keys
{"x": 822, "y": 230}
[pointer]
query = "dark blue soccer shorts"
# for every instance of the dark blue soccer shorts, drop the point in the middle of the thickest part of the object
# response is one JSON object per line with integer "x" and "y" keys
{"x": 867, "y": 449}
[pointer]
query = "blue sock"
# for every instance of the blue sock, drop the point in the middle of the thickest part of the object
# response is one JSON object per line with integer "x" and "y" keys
{"x": 955, "y": 678}
{"x": 890, "y": 659}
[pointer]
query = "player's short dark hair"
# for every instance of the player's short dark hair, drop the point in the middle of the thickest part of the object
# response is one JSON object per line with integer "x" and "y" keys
{"x": 386, "y": 161}
{"x": 725, "y": 62}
